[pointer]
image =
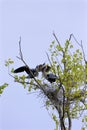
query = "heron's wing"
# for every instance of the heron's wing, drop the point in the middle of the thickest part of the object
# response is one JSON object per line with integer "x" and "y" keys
{"x": 21, "y": 69}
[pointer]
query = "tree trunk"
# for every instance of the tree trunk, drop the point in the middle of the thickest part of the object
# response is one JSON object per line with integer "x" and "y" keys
{"x": 69, "y": 121}
{"x": 62, "y": 125}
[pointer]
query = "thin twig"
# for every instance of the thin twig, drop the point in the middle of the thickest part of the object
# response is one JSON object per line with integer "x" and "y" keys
{"x": 59, "y": 65}
{"x": 50, "y": 62}
{"x": 48, "y": 58}
{"x": 30, "y": 93}
{"x": 81, "y": 45}
{"x": 20, "y": 54}
{"x": 71, "y": 35}
{"x": 83, "y": 52}
{"x": 20, "y": 51}
{"x": 56, "y": 38}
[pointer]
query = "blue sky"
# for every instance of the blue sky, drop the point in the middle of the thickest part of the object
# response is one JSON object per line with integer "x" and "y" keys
{"x": 34, "y": 21}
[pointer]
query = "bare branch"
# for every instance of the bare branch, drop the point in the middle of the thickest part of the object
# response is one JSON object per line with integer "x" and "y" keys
{"x": 20, "y": 54}
{"x": 50, "y": 61}
{"x": 48, "y": 58}
{"x": 21, "y": 58}
{"x": 71, "y": 35}
{"x": 20, "y": 51}
{"x": 81, "y": 45}
{"x": 56, "y": 38}
{"x": 83, "y": 52}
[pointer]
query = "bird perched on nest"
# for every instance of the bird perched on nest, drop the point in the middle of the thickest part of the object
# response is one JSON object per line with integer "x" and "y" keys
{"x": 31, "y": 72}
{"x": 45, "y": 69}
{"x": 51, "y": 77}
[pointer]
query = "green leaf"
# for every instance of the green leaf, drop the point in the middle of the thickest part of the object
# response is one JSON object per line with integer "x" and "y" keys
{"x": 59, "y": 48}
{"x": 3, "y": 87}
{"x": 8, "y": 62}
{"x": 83, "y": 120}
{"x": 67, "y": 43}
{"x": 71, "y": 46}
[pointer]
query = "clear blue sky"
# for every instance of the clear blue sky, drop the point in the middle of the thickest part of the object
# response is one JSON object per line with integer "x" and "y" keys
{"x": 34, "y": 21}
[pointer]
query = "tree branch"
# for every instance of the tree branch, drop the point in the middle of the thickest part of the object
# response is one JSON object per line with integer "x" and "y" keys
{"x": 71, "y": 35}
{"x": 21, "y": 58}
{"x": 56, "y": 39}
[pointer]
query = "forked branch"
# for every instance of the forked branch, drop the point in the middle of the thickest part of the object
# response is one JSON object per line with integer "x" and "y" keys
{"x": 22, "y": 59}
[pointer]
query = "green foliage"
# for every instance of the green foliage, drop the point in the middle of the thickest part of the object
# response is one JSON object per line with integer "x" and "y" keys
{"x": 84, "y": 121}
{"x": 56, "y": 121}
{"x": 2, "y": 87}
{"x": 20, "y": 79}
{"x": 72, "y": 72}
{"x": 8, "y": 62}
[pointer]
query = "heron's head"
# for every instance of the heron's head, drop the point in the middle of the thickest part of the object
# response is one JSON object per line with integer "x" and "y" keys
{"x": 43, "y": 67}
